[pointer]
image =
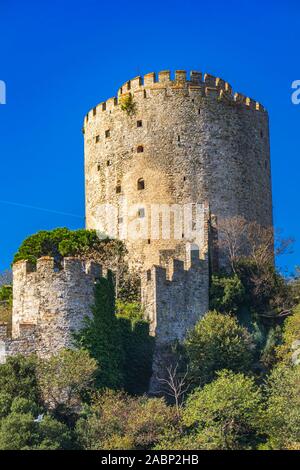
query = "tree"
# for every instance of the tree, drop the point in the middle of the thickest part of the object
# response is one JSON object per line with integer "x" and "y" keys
{"x": 289, "y": 350}
{"x": 6, "y": 304}
{"x": 281, "y": 421}
{"x": 116, "y": 421}
{"x": 101, "y": 336}
{"x": 24, "y": 431}
{"x": 18, "y": 377}
{"x": 217, "y": 342}
{"x": 137, "y": 346}
{"x": 232, "y": 239}
{"x": 175, "y": 385}
{"x": 86, "y": 245}
{"x": 6, "y": 294}
{"x": 249, "y": 248}
{"x": 225, "y": 414}
{"x": 65, "y": 377}
{"x": 227, "y": 293}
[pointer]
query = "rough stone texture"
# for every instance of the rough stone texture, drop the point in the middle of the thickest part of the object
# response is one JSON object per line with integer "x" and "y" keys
{"x": 175, "y": 299}
{"x": 49, "y": 305}
{"x": 202, "y": 144}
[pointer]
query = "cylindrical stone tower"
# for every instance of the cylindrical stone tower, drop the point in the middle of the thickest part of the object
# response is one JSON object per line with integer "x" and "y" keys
{"x": 169, "y": 144}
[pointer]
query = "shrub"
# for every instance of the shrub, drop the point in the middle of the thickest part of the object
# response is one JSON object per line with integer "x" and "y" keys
{"x": 282, "y": 417}
{"x": 217, "y": 342}
{"x": 137, "y": 345}
{"x": 101, "y": 336}
{"x": 117, "y": 421}
{"x": 22, "y": 431}
{"x": 290, "y": 337}
{"x": 227, "y": 293}
{"x": 18, "y": 378}
{"x": 65, "y": 377}
{"x": 127, "y": 104}
{"x": 226, "y": 414}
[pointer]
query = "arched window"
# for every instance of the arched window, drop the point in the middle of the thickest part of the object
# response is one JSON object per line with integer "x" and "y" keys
{"x": 141, "y": 184}
{"x": 140, "y": 149}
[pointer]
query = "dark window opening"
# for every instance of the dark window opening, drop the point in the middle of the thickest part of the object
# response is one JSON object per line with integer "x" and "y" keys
{"x": 94, "y": 111}
{"x": 199, "y": 111}
{"x": 108, "y": 163}
{"x": 145, "y": 94}
{"x": 118, "y": 189}
{"x": 149, "y": 241}
{"x": 141, "y": 184}
{"x": 140, "y": 149}
{"x": 107, "y": 133}
{"x": 99, "y": 167}
{"x": 141, "y": 212}
{"x": 97, "y": 139}
{"x": 178, "y": 138}
{"x": 184, "y": 178}
{"x": 139, "y": 123}
{"x": 103, "y": 106}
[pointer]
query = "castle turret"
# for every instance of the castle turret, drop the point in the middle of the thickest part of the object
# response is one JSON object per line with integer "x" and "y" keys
{"x": 167, "y": 147}
{"x": 49, "y": 305}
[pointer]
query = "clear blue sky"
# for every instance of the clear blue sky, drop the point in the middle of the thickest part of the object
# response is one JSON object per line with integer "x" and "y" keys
{"x": 60, "y": 58}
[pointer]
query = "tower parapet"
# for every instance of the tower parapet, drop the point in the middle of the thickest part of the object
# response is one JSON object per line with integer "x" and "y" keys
{"x": 202, "y": 83}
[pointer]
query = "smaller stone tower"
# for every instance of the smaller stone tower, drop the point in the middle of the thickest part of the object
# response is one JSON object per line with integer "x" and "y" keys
{"x": 49, "y": 305}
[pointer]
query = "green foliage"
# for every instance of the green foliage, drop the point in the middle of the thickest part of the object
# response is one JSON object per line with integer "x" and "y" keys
{"x": 266, "y": 290}
{"x": 225, "y": 414}
{"x": 138, "y": 347}
{"x": 101, "y": 336}
{"x": 227, "y": 293}
{"x": 268, "y": 354}
{"x": 18, "y": 378}
{"x": 6, "y": 305}
{"x": 127, "y": 104}
{"x": 58, "y": 243}
{"x": 290, "y": 336}
{"x": 65, "y": 377}
{"x": 282, "y": 416}
{"x": 21, "y": 431}
{"x": 5, "y": 404}
{"x": 6, "y": 293}
{"x": 129, "y": 310}
{"x": 217, "y": 342}
{"x": 117, "y": 421}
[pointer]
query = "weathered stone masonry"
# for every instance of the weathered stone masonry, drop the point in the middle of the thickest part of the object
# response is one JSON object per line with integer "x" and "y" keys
{"x": 49, "y": 304}
{"x": 201, "y": 144}
{"x": 189, "y": 141}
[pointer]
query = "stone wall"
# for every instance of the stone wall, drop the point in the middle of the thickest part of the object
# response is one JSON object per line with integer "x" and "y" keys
{"x": 49, "y": 304}
{"x": 175, "y": 298}
{"x": 202, "y": 144}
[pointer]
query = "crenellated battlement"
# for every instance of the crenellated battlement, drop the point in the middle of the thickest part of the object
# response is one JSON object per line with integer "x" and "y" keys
{"x": 50, "y": 301}
{"x": 175, "y": 297}
{"x": 47, "y": 265}
{"x": 205, "y": 84}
